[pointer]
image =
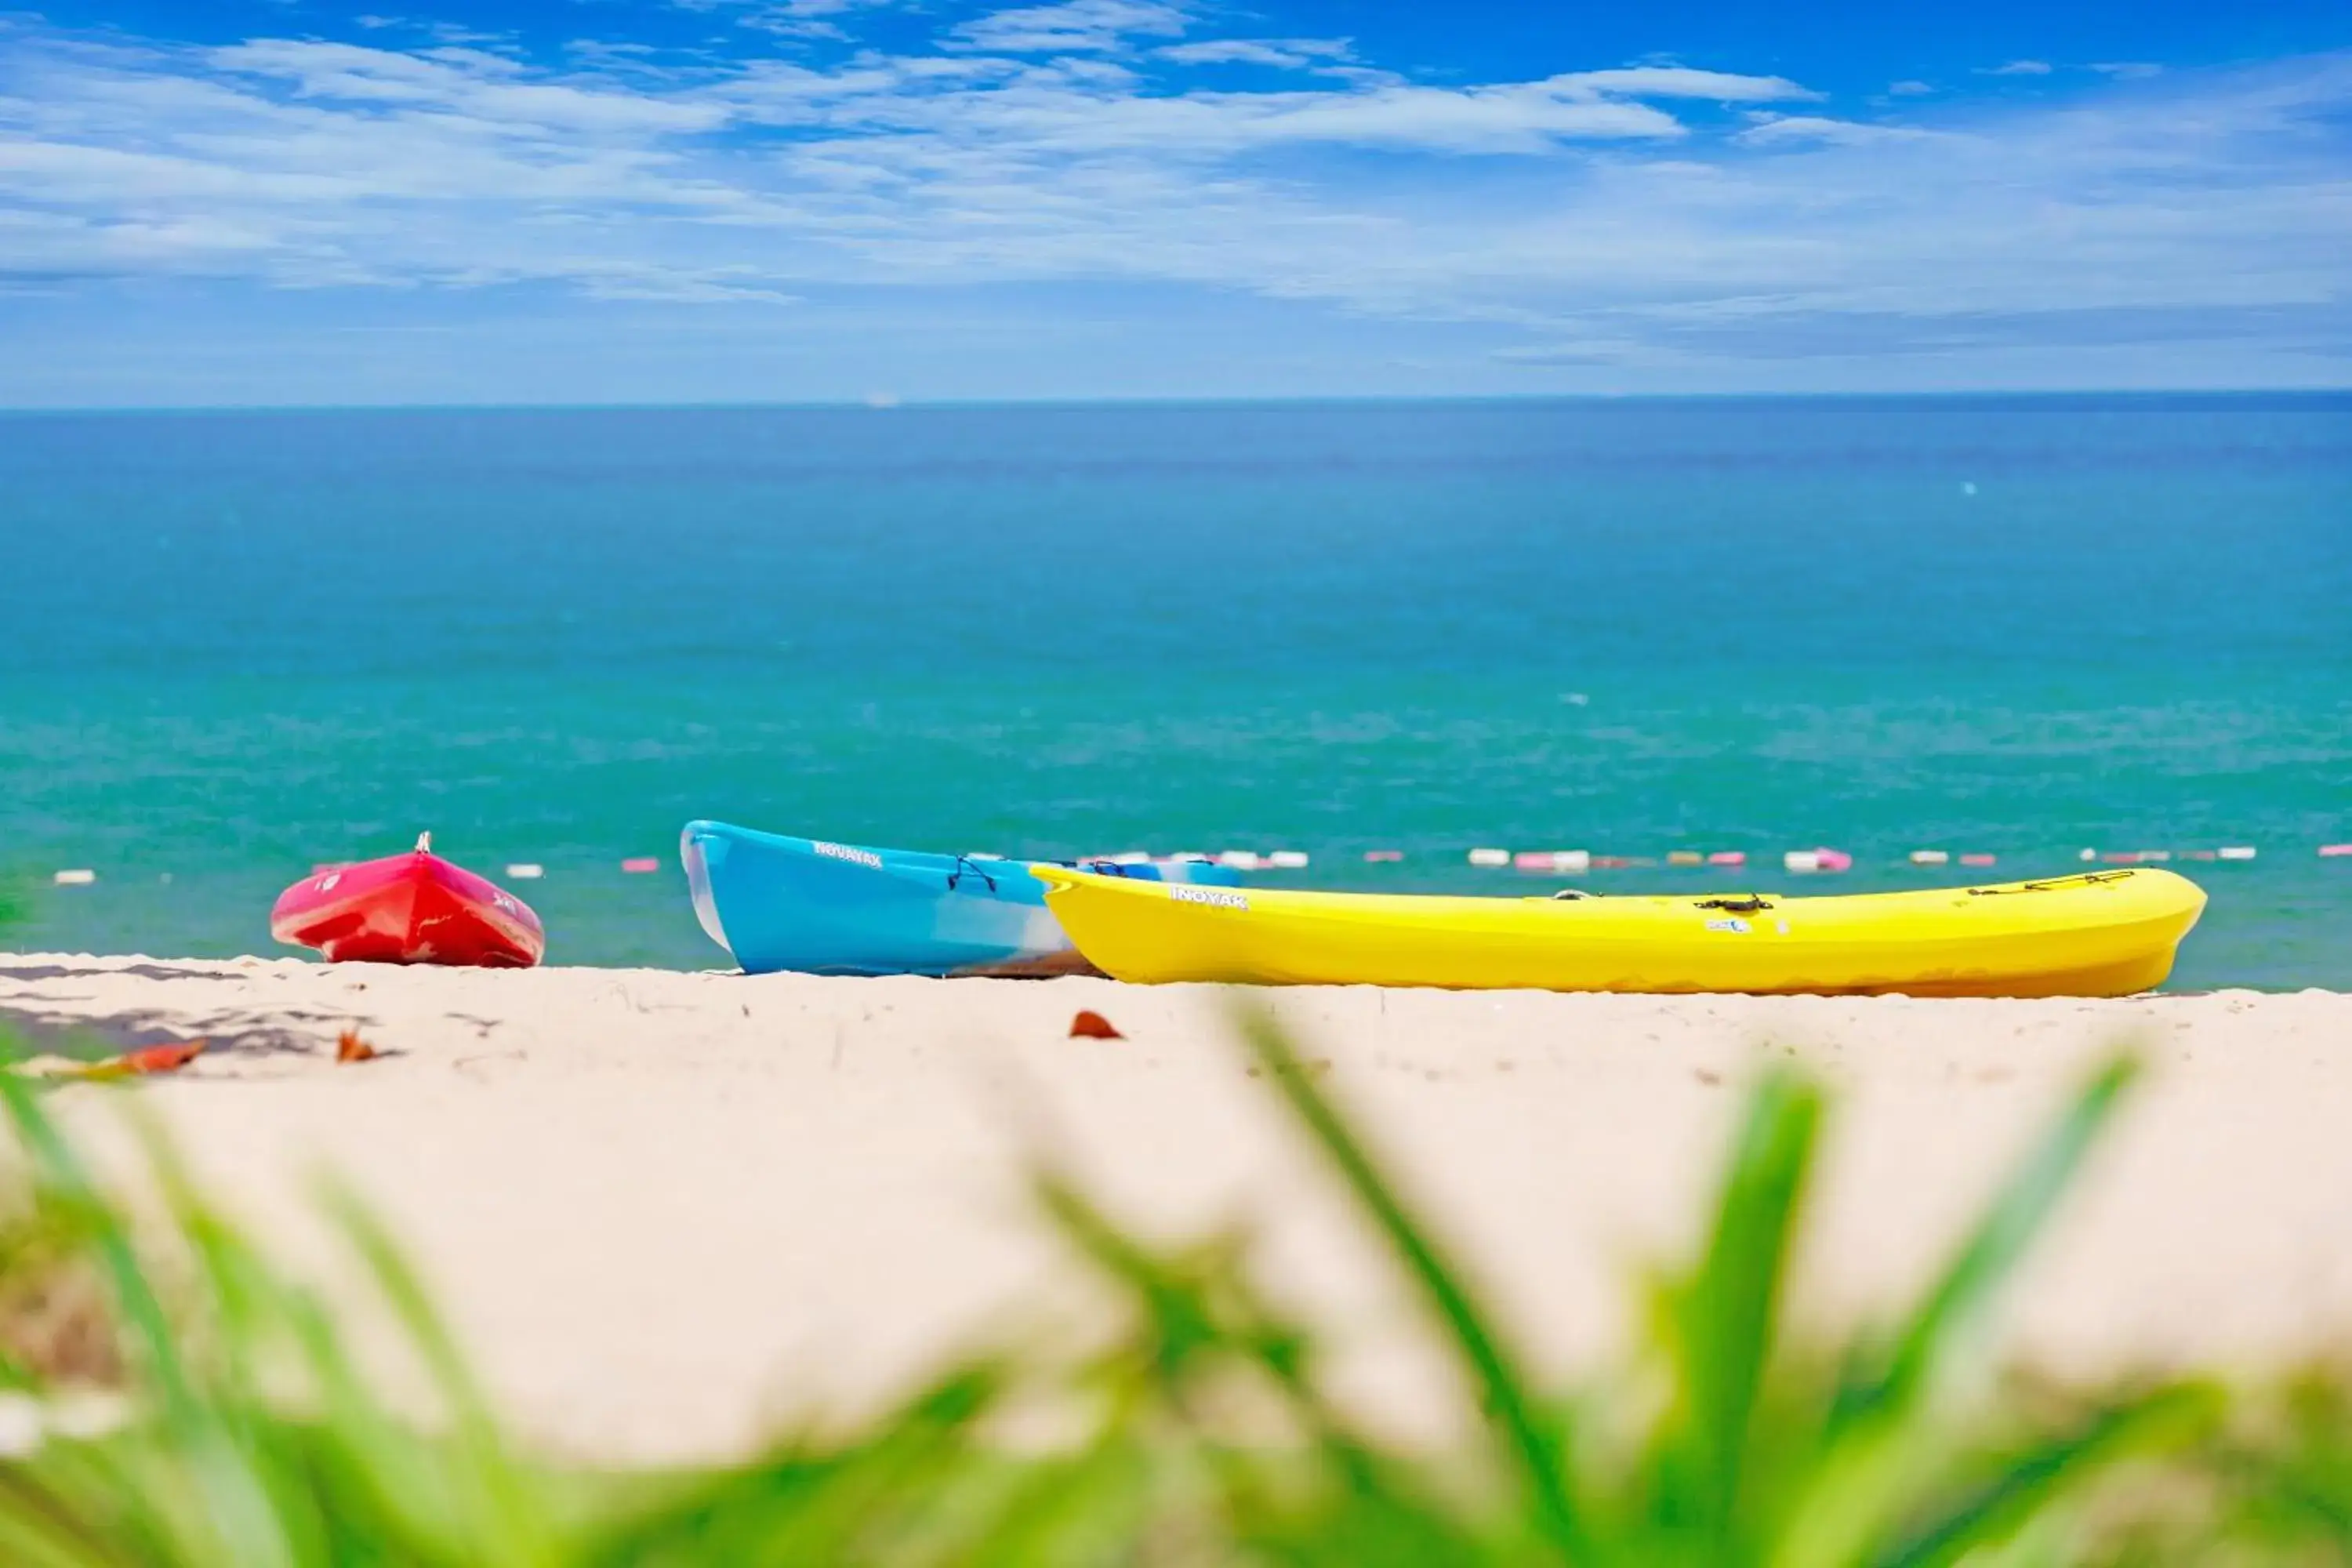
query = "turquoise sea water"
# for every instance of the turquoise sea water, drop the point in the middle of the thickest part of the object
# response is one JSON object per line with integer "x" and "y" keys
{"x": 238, "y": 644}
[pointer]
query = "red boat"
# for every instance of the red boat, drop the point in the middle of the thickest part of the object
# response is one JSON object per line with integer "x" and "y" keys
{"x": 408, "y": 908}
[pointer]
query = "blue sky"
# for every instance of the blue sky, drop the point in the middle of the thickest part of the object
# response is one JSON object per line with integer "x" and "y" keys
{"x": 371, "y": 201}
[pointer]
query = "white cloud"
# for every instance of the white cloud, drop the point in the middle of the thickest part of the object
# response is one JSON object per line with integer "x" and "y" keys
{"x": 1075, "y": 107}
{"x": 1781, "y": 129}
{"x": 1283, "y": 54}
{"x": 487, "y": 89}
{"x": 1678, "y": 81}
{"x": 2128, "y": 70}
{"x": 1073, "y": 27}
{"x": 1910, "y": 88}
{"x": 2020, "y": 68}
{"x": 803, "y": 19}
{"x": 1500, "y": 120}
{"x": 737, "y": 284}
{"x": 1575, "y": 210}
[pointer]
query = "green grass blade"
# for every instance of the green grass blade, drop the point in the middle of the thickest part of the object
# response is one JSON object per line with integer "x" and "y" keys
{"x": 1991, "y": 1254}
{"x": 1726, "y": 1315}
{"x": 1885, "y": 1431}
{"x": 507, "y": 1513}
{"x": 47, "y": 1525}
{"x": 1531, "y": 1448}
{"x": 61, "y": 1171}
{"x": 1331, "y": 1496}
{"x": 848, "y": 1506}
{"x": 238, "y": 1523}
{"x": 1058, "y": 1508}
{"x": 1184, "y": 1322}
{"x": 2030, "y": 1482}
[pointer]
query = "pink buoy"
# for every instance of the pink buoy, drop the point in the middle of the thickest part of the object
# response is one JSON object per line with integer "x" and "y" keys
{"x": 638, "y": 864}
{"x": 1532, "y": 860}
{"x": 1977, "y": 860}
{"x": 1382, "y": 857}
{"x": 2335, "y": 851}
{"x": 1729, "y": 857}
{"x": 1833, "y": 860}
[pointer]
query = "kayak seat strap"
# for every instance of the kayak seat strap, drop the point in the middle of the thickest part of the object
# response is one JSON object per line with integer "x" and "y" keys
{"x": 966, "y": 866}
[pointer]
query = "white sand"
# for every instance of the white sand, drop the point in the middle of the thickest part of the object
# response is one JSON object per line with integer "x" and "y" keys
{"x": 663, "y": 1207}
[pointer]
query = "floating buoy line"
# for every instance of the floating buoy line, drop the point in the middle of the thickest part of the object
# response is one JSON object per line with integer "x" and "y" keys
{"x": 1818, "y": 860}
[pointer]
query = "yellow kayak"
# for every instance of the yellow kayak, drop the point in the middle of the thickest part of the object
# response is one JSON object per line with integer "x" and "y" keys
{"x": 2102, "y": 933}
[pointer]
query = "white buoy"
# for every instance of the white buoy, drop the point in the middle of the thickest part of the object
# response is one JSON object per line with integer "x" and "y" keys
{"x": 1131, "y": 857}
{"x": 2237, "y": 852}
{"x": 526, "y": 872}
{"x": 1571, "y": 860}
{"x": 1931, "y": 857}
{"x": 1239, "y": 859}
{"x": 1490, "y": 857}
{"x": 1287, "y": 859}
{"x": 2088, "y": 855}
{"x": 78, "y": 878}
{"x": 1801, "y": 861}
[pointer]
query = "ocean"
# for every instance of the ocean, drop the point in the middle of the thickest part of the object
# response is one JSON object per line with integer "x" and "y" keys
{"x": 234, "y": 645}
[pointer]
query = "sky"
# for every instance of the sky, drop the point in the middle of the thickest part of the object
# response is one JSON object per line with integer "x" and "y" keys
{"x": 338, "y": 202}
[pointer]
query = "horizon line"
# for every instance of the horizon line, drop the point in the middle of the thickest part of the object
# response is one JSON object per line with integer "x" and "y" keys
{"x": 883, "y": 403}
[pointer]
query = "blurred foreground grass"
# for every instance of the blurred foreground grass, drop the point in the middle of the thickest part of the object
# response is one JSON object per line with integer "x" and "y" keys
{"x": 236, "y": 1425}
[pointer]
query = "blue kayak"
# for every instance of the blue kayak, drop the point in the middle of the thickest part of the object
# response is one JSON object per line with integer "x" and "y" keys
{"x": 779, "y": 902}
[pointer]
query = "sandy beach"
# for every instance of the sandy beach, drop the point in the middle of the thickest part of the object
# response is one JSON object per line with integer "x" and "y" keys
{"x": 666, "y": 1209}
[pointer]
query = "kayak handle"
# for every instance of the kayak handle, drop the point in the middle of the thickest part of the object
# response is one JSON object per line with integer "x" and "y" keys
{"x": 1747, "y": 904}
{"x": 964, "y": 863}
{"x": 2050, "y": 884}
